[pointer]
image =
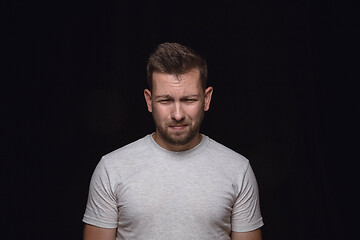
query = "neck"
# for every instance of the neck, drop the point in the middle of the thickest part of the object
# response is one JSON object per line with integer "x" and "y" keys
{"x": 177, "y": 148}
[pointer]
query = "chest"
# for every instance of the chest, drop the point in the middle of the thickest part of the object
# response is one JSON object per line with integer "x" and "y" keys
{"x": 176, "y": 195}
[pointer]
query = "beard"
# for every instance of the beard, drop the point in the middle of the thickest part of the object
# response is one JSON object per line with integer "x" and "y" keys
{"x": 182, "y": 137}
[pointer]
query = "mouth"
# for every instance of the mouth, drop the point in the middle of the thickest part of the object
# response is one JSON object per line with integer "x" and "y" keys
{"x": 178, "y": 127}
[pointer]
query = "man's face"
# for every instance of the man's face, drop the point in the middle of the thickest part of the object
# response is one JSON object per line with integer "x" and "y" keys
{"x": 177, "y": 103}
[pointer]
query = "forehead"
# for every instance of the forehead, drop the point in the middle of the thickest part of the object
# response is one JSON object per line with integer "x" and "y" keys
{"x": 186, "y": 83}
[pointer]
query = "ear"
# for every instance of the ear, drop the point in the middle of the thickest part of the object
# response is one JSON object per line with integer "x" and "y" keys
{"x": 208, "y": 95}
{"x": 148, "y": 100}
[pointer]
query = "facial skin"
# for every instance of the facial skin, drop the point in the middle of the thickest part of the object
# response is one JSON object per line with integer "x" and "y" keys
{"x": 178, "y": 103}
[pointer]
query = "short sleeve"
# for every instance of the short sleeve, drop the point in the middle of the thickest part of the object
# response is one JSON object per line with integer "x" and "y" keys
{"x": 101, "y": 209}
{"x": 246, "y": 214}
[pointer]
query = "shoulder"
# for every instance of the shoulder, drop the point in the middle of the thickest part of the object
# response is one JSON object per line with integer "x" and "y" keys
{"x": 135, "y": 150}
{"x": 226, "y": 155}
{"x": 220, "y": 150}
{"x": 123, "y": 162}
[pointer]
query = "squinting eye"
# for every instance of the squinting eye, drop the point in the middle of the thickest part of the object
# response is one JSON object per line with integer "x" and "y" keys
{"x": 164, "y": 101}
{"x": 190, "y": 100}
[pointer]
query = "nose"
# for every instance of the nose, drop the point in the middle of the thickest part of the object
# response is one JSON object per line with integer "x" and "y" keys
{"x": 177, "y": 113}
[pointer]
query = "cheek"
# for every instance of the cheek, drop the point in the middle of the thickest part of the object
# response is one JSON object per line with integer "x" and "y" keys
{"x": 160, "y": 112}
{"x": 194, "y": 112}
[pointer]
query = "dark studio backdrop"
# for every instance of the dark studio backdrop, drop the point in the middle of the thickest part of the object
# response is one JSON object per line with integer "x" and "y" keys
{"x": 285, "y": 97}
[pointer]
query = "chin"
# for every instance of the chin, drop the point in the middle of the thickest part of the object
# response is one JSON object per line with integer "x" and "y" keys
{"x": 180, "y": 139}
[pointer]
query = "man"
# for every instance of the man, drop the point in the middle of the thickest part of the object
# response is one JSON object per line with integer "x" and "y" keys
{"x": 175, "y": 183}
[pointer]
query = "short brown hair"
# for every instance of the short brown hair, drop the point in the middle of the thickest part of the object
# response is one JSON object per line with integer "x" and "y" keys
{"x": 174, "y": 58}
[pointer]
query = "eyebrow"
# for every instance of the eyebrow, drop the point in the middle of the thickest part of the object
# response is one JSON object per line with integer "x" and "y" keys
{"x": 184, "y": 97}
{"x": 163, "y": 96}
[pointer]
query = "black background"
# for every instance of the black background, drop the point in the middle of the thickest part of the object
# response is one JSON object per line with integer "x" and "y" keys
{"x": 285, "y": 96}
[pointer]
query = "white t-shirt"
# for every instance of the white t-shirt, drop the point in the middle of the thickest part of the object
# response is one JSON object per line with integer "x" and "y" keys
{"x": 148, "y": 192}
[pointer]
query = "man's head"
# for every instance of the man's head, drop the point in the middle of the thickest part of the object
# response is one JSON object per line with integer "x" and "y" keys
{"x": 177, "y": 97}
